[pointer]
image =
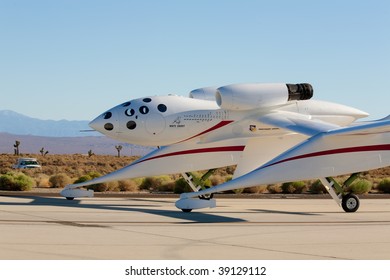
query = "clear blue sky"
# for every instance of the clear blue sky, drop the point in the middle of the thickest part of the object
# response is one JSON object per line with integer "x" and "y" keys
{"x": 72, "y": 60}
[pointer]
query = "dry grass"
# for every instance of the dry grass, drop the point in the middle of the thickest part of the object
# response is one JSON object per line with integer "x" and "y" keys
{"x": 75, "y": 166}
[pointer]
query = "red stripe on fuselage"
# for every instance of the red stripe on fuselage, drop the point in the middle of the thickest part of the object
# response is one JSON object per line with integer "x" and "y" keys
{"x": 218, "y": 125}
{"x": 384, "y": 147}
{"x": 198, "y": 151}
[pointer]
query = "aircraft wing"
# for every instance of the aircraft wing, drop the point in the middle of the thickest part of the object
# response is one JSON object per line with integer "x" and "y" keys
{"x": 274, "y": 121}
{"x": 304, "y": 124}
{"x": 336, "y": 152}
{"x": 295, "y": 122}
{"x": 365, "y": 128}
{"x": 260, "y": 148}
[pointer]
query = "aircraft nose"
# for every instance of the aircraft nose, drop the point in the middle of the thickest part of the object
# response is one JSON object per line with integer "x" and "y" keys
{"x": 104, "y": 123}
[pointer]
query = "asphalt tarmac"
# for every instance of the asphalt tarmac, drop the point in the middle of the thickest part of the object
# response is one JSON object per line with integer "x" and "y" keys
{"x": 43, "y": 228}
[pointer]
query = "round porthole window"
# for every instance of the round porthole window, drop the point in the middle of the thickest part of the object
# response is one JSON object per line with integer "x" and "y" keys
{"x": 131, "y": 125}
{"x": 107, "y": 115}
{"x": 109, "y": 126}
{"x": 129, "y": 112}
{"x": 144, "y": 110}
{"x": 162, "y": 108}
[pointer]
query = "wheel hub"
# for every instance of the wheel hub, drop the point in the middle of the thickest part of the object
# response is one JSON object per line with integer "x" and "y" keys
{"x": 351, "y": 203}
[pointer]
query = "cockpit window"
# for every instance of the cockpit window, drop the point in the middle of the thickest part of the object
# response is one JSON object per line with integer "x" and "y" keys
{"x": 144, "y": 110}
{"x": 162, "y": 108}
{"x": 131, "y": 125}
{"x": 129, "y": 112}
{"x": 126, "y": 104}
{"x": 147, "y": 100}
{"x": 107, "y": 115}
{"x": 109, "y": 126}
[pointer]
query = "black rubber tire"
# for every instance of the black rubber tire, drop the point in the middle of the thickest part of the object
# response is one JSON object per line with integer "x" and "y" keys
{"x": 70, "y": 198}
{"x": 206, "y": 197}
{"x": 350, "y": 203}
{"x": 186, "y": 210}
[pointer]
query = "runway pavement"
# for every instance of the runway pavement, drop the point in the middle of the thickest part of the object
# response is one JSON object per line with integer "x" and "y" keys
{"x": 37, "y": 227}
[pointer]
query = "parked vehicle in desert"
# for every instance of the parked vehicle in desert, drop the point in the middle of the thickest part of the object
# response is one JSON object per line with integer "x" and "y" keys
{"x": 24, "y": 163}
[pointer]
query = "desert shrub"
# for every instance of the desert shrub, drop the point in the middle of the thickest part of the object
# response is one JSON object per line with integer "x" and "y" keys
{"x": 293, "y": 187}
{"x": 384, "y": 185}
{"x": 157, "y": 183}
{"x": 59, "y": 180}
{"x": 96, "y": 187}
{"x": 149, "y": 183}
{"x": 112, "y": 186}
{"x": 42, "y": 180}
{"x": 166, "y": 187}
{"x": 89, "y": 176}
{"x": 5, "y": 170}
{"x": 103, "y": 187}
{"x": 217, "y": 180}
{"x": 83, "y": 179}
{"x": 128, "y": 186}
{"x": 360, "y": 187}
{"x": 181, "y": 186}
{"x": 16, "y": 181}
{"x": 274, "y": 189}
{"x": 94, "y": 174}
{"x": 207, "y": 183}
{"x": 256, "y": 189}
{"x": 230, "y": 169}
{"x": 317, "y": 187}
{"x": 235, "y": 191}
{"x": 138, "y": 180}
{"x": 228, "y": 178}
{"x": 166, "y": 184}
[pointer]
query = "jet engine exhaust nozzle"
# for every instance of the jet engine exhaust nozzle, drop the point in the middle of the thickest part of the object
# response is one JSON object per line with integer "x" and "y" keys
{"x": 302, "y": 91}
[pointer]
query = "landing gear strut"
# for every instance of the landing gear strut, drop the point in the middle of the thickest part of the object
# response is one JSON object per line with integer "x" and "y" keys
{"x": 348, "y": 201}
{"x": 196, "y": 184}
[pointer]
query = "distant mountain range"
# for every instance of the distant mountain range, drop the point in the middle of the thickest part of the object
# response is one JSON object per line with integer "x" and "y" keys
{"x": 100, "y": 145}
{"x": 57, "y": 137}
{"x": 15, "y": 123}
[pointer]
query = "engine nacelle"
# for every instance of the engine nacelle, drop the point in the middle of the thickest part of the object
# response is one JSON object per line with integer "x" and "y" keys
{"x": 255, "y": 96}
{"x": 206, "y": 93}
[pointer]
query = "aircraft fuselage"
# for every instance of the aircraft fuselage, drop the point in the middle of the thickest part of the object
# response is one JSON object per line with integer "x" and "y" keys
{"x": 166, "y": 120}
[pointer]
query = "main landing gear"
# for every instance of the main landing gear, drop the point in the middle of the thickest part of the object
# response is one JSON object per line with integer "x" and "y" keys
{"x": 196, "y": 184}
{"x": 348, "y": 201}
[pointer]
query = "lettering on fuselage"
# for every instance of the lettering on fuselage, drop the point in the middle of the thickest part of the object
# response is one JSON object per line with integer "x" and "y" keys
{"x": 254, "y": 128}
{"x": 206, "y": 116}
{"x": 198, "y": 117}
{"x": 269, "y": 128}
{"x": 177, "y": 123}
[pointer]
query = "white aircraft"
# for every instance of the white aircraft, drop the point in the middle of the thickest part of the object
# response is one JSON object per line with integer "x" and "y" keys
{"x": 273, "y": 132}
